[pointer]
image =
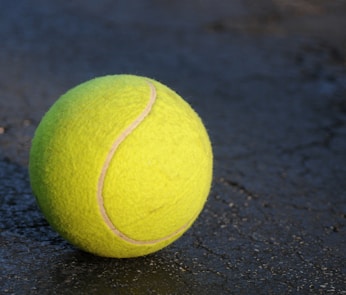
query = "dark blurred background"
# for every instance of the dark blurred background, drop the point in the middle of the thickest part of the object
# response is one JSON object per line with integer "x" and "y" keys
{"x": 268, "y": 79}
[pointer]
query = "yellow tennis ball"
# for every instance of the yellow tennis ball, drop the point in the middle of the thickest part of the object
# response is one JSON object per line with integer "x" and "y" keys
{"x": 121, "y": 166}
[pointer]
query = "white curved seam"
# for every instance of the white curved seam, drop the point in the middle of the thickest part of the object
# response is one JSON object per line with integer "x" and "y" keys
{"x": 114, "y": 147}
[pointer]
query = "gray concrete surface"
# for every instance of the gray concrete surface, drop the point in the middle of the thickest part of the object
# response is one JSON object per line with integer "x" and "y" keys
{"x": 269, "y": 80}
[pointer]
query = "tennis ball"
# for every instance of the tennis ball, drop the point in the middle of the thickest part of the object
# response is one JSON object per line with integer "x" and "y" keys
{"x": 121, "y": 166}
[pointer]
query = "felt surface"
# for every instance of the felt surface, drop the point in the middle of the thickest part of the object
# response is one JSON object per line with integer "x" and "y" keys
{"x": 156, "y": 183}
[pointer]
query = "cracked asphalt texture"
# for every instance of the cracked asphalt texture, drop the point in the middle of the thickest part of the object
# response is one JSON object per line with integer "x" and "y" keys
{"x": 269, "y": 80}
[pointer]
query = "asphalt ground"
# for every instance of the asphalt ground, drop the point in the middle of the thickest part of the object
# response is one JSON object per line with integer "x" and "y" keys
{"x": 268, "y": 79}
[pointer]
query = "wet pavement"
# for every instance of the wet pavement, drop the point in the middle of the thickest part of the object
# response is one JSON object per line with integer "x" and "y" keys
{"x": 269, "y": 80}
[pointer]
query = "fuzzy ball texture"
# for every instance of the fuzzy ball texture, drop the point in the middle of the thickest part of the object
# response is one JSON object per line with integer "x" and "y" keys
{"x": 121, "y": 166}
